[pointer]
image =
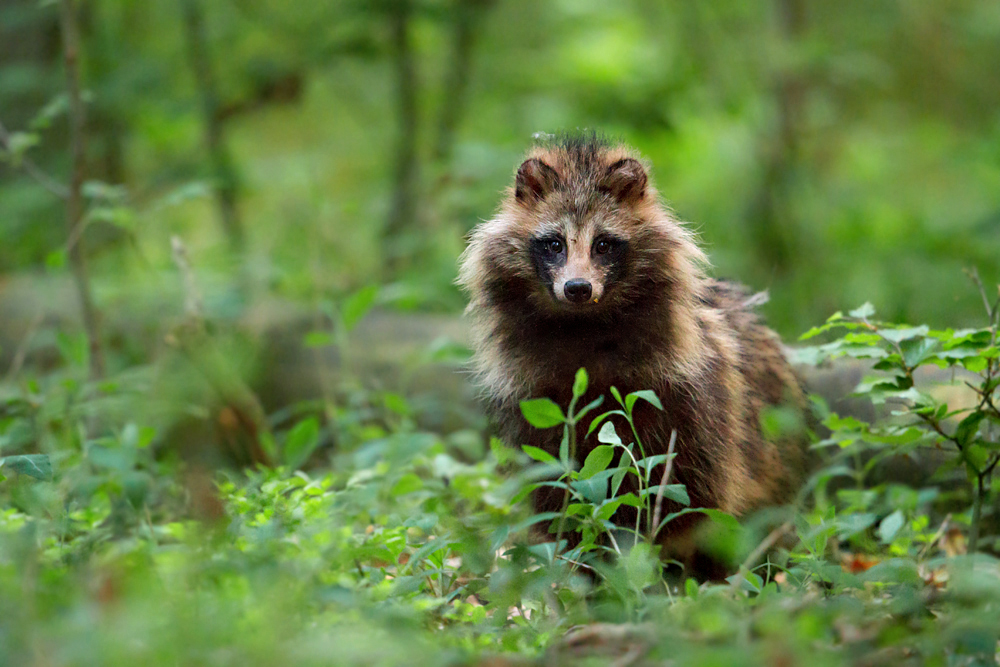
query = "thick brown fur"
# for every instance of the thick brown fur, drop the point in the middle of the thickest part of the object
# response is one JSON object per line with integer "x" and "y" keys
{"x": 655, "y": 321}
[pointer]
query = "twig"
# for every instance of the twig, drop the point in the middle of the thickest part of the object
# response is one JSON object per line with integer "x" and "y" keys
{"x": 32, "y": 169}
{"x": 574, "y": 562}
{"x": 667, "y": 468}
{"x": 974, "y": 276}
{"x": 766, "y": 544}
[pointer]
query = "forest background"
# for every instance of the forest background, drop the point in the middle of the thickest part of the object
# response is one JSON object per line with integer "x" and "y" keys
{"x": 293, "y": 183}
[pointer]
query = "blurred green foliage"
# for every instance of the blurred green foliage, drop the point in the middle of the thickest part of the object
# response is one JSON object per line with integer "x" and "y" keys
{"x": 830, "y": 153}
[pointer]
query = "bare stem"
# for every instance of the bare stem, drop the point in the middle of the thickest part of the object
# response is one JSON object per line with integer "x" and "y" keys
{"x": 571, "y": 434}
{"x": 663, "y": 482}
{"x": 74, "y": 200}
{"x": 755, "y": 555}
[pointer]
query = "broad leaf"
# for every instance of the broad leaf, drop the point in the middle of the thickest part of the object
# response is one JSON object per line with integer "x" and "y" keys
{"x": 539, "y": 455}
{"x": 597, "y": 461}
{"x": 647, "y": 395}
{"x": 542, "y": 413}
{"x": 609, "y": 435}
{"x": 675, "y": 492}
{"x": 38, "y": 466}
{"x": 301, "y": 442}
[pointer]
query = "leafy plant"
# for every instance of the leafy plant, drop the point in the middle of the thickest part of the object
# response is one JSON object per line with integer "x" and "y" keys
{"x": 918, "y": 419}
{"x": 594, "y": 492}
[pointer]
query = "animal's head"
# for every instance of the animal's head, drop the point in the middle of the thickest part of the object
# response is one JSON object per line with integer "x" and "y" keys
{"x": 581, "y": 231}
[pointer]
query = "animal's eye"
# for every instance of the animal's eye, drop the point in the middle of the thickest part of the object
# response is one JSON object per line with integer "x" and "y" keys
{"x": 554, "y": 246}
{"x": 602, "y": 246}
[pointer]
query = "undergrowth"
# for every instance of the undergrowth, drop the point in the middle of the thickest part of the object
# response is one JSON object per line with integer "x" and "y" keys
{"x": 374, "y": 542}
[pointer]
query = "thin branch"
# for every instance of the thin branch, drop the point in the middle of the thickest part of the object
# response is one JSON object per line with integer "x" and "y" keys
{"x": 761, "y": 549}
{"x": 974, "y": 275}
{"x": 576, "y": 563}
{"x": 32, "y": 169}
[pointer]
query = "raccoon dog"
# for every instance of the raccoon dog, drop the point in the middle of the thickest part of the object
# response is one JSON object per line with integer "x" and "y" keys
{"x": 584, "y": 267}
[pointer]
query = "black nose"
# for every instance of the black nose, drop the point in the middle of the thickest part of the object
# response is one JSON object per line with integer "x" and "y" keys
{"x": 577, "y": 290}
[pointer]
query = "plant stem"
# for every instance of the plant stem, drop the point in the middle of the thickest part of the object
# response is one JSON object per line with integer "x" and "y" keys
{"x": 977, "y": 510}
{"x": 571, "y": 434}
{"x": 667, "y": 468}
{"x": 74, "y": 200}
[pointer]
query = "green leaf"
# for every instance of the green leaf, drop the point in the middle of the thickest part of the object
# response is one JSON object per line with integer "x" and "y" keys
{"x": 587, "y": 408}
{"x": 539, "y": 455}
{"x": 864, "y": 312}
{"x": 675, "y": 492}
{"x": 617, "y": 395}
{"x": 594, "y": 490}
{"x": 74, "y": 348}
{"x": 645, "y": 394}
{"x": 396, "y": 404}
{"x": 56, "y": 259}
{"x": 906, "y": 333}
{"x": 915, "y": 352}
{"x": 608, "y": 434}
{"x": 301, "y": 442}
{"x": 542, "y": 413}
{"x": 408, "y": 483}
{"x": 724, "y": 519}
{"x": 38, "y": 466}
{"x": 504, "y": 454}
{"x": 619, "y": 477}
{"x": 580, "y": 383}
{"x": 597, "y": 461}
{"x": 647, "y": 464}
{"x": 968, "y": 428}
{"x": 318, "y": 339}
{"x": 357, "y": 305}
{"x": 975, "y": 364}
{"x": 890, "y": 526}
{"x": 430, "y": 547}
{"x": 601, "y": 417}
{"x": 532, "y": 520}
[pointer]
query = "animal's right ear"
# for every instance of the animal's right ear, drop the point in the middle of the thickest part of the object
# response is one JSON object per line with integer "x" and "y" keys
{"x": 535, "y": 179}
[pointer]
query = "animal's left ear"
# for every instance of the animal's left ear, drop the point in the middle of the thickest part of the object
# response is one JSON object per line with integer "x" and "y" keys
{"x": 626, "y": 181}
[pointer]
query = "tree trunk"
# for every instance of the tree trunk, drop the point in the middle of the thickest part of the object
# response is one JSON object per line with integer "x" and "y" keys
{"x": 74, "y": 200}
{"x": 403, "y": 213}
{"x": 223, "y": 169}
{"x": 466, "y": 17}
{"x": 771, "y": 219}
